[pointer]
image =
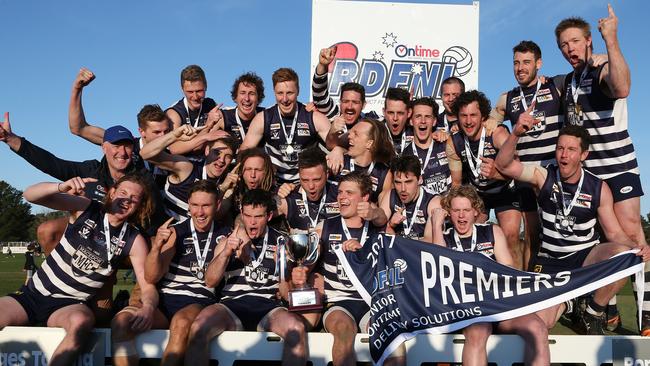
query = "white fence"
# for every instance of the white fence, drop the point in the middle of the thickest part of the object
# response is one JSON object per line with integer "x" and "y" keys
{"x": 17, "y": 247}
{"x": 232, "y": 346}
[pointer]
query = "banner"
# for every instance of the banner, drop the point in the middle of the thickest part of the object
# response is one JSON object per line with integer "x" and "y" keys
{"x": 382, "y": 45}
{"x": 414, "y": 287}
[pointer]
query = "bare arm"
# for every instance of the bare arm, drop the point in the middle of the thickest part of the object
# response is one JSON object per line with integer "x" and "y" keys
{"x": 162, "y": 251}
{"x": 615, "y": 74}
{"x": 55, "y": 195}
{"x": 155, "y": 153}
{"x": 608, "y": 221}
{"x": 384, "y": 205}
{"x": 255, "y": 133}
{"x": 455, "y": 164}
{"x": 498, "y": 113}
{"x": 501, "y": 251}
{"x": 322, "y": 125}
{"x": 434, "y": 204}
{"x": 76, "y": 117}
{"x": 144, "y": 316}
{"x": 437, "y": 220}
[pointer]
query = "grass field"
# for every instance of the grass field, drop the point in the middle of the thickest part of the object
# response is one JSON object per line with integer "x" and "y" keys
{"x": 12, "y": 277}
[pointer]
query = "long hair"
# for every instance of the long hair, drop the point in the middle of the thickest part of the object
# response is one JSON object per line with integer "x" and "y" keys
{"x": 269, "y": 169}
{"x": 382, "y": 146}
{"x": 142, "y": 215}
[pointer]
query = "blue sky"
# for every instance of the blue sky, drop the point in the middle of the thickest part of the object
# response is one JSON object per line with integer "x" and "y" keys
{"x": 137, "y": 49}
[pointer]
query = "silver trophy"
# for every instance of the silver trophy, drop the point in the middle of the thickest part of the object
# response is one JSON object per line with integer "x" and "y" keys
{"x": 302, "y": 249}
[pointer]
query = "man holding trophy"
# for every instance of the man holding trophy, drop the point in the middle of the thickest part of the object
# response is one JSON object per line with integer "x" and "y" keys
{"x": 305, "y": 209}
{"x": 246, "y": 261}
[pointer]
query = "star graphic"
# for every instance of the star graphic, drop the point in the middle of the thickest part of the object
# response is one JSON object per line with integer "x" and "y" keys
{"x": 416, "y": 69}
{"x": 389, "y": 39}
{"x": 378, "y": 56}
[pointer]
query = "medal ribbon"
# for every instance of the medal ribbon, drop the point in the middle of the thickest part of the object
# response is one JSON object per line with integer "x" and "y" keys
{"x": 289, "y": 138}
{"x": 575, "y": 88}
{"x": 255, "y": 262}
{"x": 407, "y": 226}
{"x": 364, "y": 233}
{"x": 475, "y": 162}
{"x": 314, "y": 222}
{"x": 195, "y": 124}
{"x": 241, "y": 125}
{"x": 567, "y": 210}
{"x": 428, "y": 156}
{"x": 107, "y": 235}
{"x": 201, "y": 256}
{"x": 459, "y": 245}
{"x": 523, "y": 97}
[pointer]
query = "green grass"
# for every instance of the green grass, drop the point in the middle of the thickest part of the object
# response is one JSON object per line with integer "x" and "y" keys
{"x": 12, "y": 277}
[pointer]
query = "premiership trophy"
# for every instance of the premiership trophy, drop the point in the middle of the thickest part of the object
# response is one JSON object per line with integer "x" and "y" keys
{"x": 302, "y": 249}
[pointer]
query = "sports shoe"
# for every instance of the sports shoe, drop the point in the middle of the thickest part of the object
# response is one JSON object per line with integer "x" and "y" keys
{"x": 590, "y": 324}
{"x": 614, "y": 322}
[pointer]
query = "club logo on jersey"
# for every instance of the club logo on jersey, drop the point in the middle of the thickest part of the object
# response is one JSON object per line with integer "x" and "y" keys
{"x": 332, "y": 208}
{"x": 544, "y": 98}
{"x": 256, "y": 277}
{"x": 544, "y": 91}
{"x": 484, "y": 246}
{"x": 303, "y": 132}
{"x": 86, "y": 261}
{"x": 395, "y": 57}
{"x": 303, "y": 126}
{"x": 342, "y": 276}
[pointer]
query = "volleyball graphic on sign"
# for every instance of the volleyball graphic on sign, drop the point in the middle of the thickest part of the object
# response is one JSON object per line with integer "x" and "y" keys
{"x": 461, "y": 57}
{"x": 401, "y": 264}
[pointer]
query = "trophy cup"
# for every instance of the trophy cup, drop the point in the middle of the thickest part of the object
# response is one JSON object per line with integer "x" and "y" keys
{"x": 302, "y": 249}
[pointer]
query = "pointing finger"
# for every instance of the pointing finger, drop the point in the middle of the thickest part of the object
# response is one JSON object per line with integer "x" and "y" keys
{"x": 610, "y": 10}
{"x": 166, "y": 224}
{"x": 89, "y": 180}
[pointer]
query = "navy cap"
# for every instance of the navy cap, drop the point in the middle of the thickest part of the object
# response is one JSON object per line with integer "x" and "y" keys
{"x": 117, "y": 133}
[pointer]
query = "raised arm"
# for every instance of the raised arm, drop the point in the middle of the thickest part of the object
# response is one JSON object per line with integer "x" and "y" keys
{"x": 616, "y": 74}
{"x": 255, "y": 133}
{"x": 212, "y": 130}
{"x": 320, "y": 84}
{"x": 155, "y": 152}
{"x": 64, "y": 196}
{"x": 437, "y": 220}
{"x": 433, "y": 205}
{"x": 322, "y": 125}
{"x": 226, "y": 247}
{"x": 163, "y": 248}
{"x": 76, "y": 117}
{"x": 506, "y": 162}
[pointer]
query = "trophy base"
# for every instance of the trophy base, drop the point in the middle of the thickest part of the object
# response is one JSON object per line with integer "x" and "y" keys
{"x": 305, "y": 300}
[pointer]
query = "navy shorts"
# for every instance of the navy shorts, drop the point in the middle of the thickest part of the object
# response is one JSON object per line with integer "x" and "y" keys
{"x": 554, "y": 265}
{"x": 508, "y": 199}
{"x": 358, "y": 311}
{"x": 171, "y": 304}
{"x": 39, "y": 307}
{"x": 527, "y": 198}
{"x": 625, "y": 186}
{"x": 250, "y": 311}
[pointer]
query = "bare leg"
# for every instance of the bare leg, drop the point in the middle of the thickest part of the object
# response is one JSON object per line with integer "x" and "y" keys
{"x": 600, "y": 253}
{"x": 78, "y": 322}
{"x": 12, "y": 312}
{"x": 123, "y": 338}
{"x": 531, "y": 236}
{"x": 211, "y": 321}
{"x": 342, "y": 327}
{"x": 510, "y": 221}
{"x": 291, "y": 328}
{"x": 535, "y": 334}
{"x": 474, "y": 349}
{"x": 179, "y": 330}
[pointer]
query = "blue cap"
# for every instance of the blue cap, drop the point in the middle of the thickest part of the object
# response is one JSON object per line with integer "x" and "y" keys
{"x": 117, "y": 133}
